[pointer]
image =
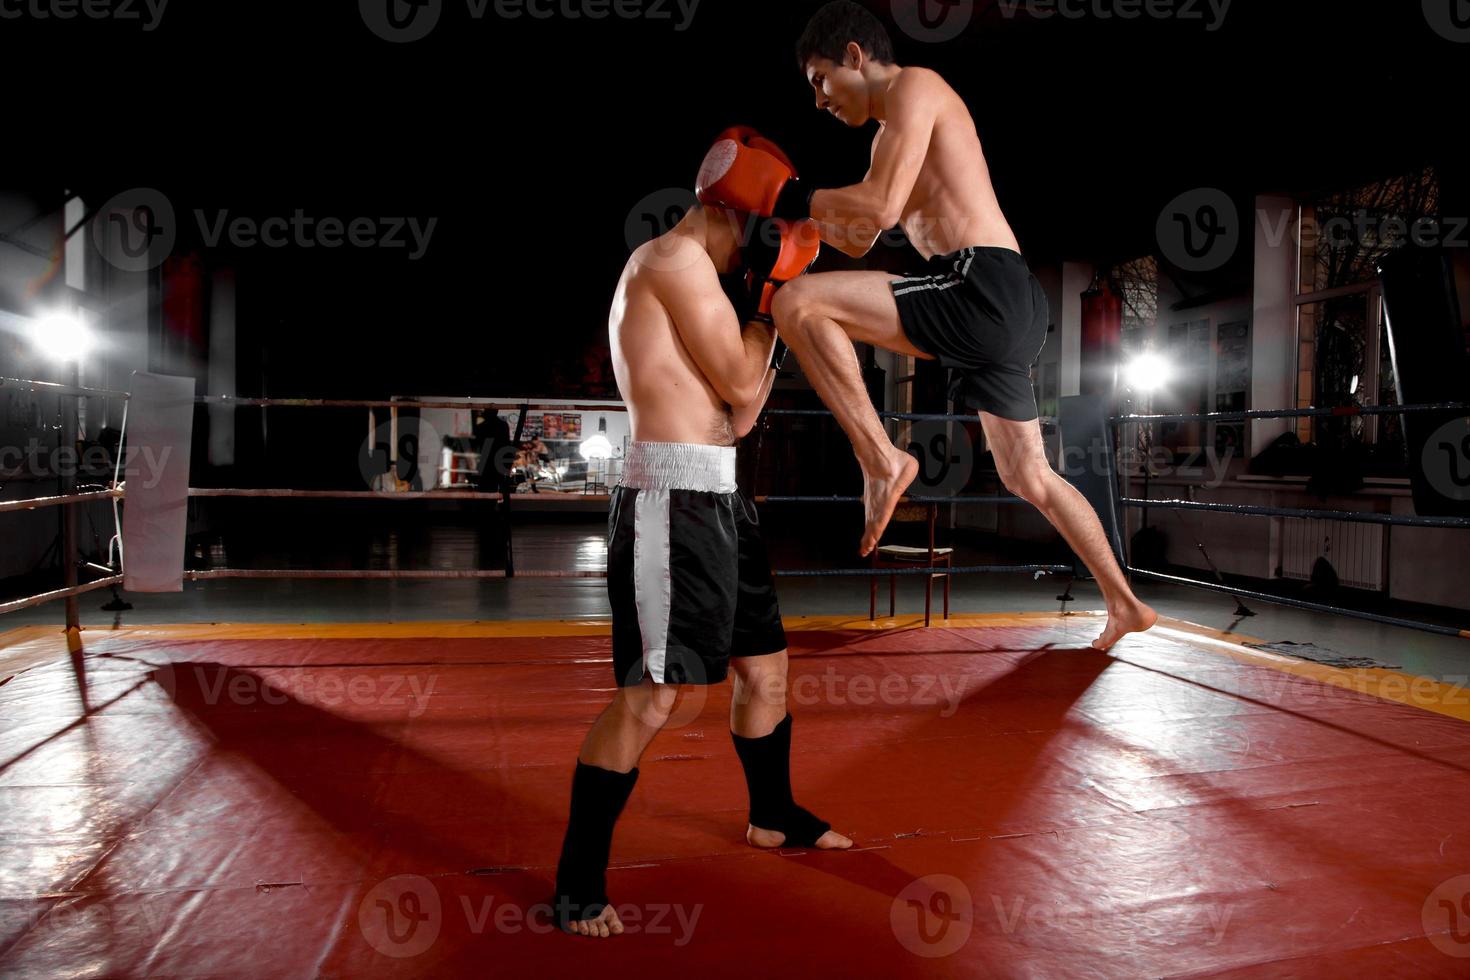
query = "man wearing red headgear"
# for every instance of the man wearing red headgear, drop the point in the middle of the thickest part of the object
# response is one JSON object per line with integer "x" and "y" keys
{"x": 688, "y": 577}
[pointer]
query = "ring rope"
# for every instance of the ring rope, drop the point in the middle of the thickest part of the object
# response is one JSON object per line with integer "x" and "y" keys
{"x": 238, "y": 402}
{"x": 37, "y": 503}
{"x": 1343, "y": 411}
{"x": 1304, "y": 604}
{"x": 347, "y": 494}
{"x": 47, "y": 388}
{"x": 44, "y": 597}
{"x": 1359, "y": 517}
{"x": 906, "y": 499}
{"x": 198, "y": 575}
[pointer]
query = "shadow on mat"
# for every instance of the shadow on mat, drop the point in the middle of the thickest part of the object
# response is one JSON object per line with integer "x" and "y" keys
{"x": 1065, "y": 675}
{"x": 276, "y": 733}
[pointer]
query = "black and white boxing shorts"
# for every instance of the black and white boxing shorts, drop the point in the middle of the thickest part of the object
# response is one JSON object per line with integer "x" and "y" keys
{"x": 984, "y": 316}
{"x": 687, "y": 570}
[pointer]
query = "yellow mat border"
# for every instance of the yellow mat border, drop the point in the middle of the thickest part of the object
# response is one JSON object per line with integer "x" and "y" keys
{"x": 28, "y": 645}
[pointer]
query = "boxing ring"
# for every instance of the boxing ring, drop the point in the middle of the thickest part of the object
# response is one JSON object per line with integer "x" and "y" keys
{"x": 388, "y": 799}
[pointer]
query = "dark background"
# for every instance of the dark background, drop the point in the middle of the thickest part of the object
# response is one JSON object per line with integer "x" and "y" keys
{"x": 532, "y": 140}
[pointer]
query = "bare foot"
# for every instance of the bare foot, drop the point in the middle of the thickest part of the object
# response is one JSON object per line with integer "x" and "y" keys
{"x": 760, "y": 837}
{"x": 604, "y": 925}
{"x": 881, "y": 493}
{"x": 1134, "y": 617}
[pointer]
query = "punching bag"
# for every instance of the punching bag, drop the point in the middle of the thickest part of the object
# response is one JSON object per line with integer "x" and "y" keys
{"x": 1426, "y": 340}
{"x": 1102, "y": 339}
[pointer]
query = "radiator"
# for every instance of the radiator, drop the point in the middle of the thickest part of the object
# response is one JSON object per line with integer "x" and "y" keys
{"x": 1355, "y": 551}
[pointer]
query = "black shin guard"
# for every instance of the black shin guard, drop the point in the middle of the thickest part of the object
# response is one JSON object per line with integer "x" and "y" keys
{"x": 767, "y": 763}
{"x": 598, "y": 796}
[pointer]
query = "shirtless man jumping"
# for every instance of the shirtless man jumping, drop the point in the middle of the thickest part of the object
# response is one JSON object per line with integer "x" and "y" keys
{"x": 975, "y": 307}
{"x": 687, "y": 572}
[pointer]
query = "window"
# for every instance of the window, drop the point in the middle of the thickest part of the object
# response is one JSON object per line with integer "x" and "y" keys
{"x": 1137, "y": 282}
{"x": 1342, "y": 349}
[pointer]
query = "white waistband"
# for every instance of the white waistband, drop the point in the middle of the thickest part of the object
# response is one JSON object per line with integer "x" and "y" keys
{"x": 679, "y": 466}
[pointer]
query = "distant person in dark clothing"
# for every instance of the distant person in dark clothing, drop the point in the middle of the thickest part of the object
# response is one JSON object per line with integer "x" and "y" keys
{"x": 497, "y": 457}
{"x": 492, "y": 436}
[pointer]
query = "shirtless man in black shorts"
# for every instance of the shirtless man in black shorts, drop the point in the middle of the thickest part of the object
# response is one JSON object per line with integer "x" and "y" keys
{"x": 975, "y": 306}
{"x": 687, "y": 573}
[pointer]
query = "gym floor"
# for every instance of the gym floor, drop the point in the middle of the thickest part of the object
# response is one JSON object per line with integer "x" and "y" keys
{"x": 371, "y": 779}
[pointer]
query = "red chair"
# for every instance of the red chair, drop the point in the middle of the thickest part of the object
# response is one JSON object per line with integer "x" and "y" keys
{"x": 906, "y": 556}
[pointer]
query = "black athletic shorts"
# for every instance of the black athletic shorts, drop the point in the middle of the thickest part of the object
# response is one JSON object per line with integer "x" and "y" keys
{"x": 687, "y": 571}
{"x": 984, "y": 316}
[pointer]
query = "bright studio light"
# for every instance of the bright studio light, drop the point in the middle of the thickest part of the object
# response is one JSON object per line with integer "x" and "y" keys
{"x": 597, "y": 447}
{"x": 61, "y": 337}
{"x": 1147, "y": 372}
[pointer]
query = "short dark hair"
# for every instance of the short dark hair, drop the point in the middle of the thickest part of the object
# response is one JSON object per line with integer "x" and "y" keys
{"x": 831, "y": 28}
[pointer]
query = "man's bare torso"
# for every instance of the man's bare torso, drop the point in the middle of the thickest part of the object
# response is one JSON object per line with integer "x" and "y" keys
{"x": 953, "y": 204}
{"x": 668, "y": 397}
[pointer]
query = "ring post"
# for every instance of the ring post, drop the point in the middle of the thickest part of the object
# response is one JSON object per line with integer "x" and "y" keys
{"x": 155, "y": 520}
{"x": 70, "y": 411}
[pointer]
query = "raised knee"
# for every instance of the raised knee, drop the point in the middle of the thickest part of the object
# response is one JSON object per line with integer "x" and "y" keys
{"x": 790, "y": 308}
